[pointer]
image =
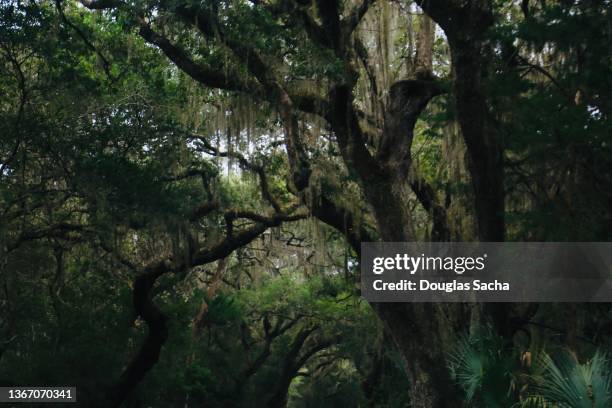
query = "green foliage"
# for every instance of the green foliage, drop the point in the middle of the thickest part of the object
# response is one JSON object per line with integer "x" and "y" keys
{"x": 567, "y": 383}
{"x": 494, "y": 374}
{"x": 553, "y": 113}
{"x": 484, "y": 367}
{"x": 102, "y": 177}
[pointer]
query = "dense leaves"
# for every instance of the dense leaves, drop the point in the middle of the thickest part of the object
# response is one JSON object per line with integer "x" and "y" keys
{"x": 184, "y": 187}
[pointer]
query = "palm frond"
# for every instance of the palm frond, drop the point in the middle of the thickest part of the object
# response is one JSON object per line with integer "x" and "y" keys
{"x": 567, "y": 383}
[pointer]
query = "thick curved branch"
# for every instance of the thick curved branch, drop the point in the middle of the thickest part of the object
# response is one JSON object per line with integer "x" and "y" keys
{"x": 204, "y": 74}
{"x": 241, "y": 238}
{"x": 407, "y": 100}
{"x": 229, "y": 79}
{"x": 156, "y": 320}
{"x": 150, "y": 350}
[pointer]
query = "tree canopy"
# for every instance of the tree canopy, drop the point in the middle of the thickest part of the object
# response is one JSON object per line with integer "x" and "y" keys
{"x": 185, "y": 186}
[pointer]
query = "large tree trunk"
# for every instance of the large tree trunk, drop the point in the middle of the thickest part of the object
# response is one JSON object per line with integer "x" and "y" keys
{"x": 465, "y": 24}
{"x": 424, "y": 333}
{"x": 485, "y": 158}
